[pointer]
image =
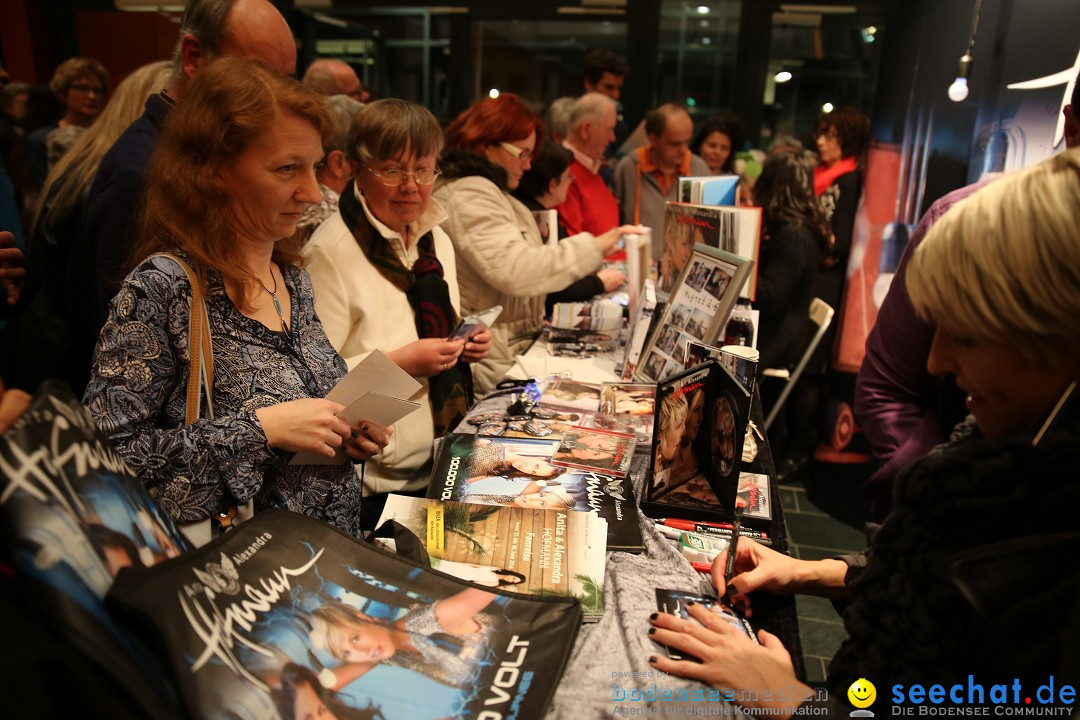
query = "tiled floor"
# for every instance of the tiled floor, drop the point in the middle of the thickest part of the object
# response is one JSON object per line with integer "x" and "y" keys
{"x": 825, "y": 509}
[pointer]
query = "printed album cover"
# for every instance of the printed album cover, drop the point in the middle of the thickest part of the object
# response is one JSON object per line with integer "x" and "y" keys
{"x": 731, "y": 229}
{"x": 697, "y": 310}
{"x": 286, "y": 617}
{"x": 643, "y": 315}
{"x": 640, "y": 426}
{"x": 698, "y": 433}
{"x": 674, "y": 603}
{"x": 72, "y": 515}
{"x": 593, "y": 449}
{"x": 628, "y": 398}
{"x": 563, "y": 392}
{"x": 519, "y": 550}
{"x": 519, "y": 473}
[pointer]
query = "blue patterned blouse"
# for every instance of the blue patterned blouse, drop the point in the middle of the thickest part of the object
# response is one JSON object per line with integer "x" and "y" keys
{"x": 137, "y": 397}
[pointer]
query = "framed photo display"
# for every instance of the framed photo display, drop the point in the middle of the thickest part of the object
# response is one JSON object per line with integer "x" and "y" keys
{"x": 698, "y": 308}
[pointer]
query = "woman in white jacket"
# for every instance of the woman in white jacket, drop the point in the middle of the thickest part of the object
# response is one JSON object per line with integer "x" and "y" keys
{"x": 501, "y": 257}
{"x": 384, "y": 277}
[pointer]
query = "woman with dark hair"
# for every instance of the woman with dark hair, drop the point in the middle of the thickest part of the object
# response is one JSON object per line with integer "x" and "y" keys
{"x": 501, "y": 258}
{"x": 543, "y": 187}
{"x": 717, "y": 141}
{"x": 385, "y": 277}
{"x": 302, "y": 696}
{"x": 230, "y": 176}
{"x": 794, "y": 240}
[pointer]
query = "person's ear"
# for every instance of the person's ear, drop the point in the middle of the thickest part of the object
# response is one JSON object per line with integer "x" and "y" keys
{"x": 553, "y": 184}
{"x": 191, "y": 55}
{"x": 337, "y": 164}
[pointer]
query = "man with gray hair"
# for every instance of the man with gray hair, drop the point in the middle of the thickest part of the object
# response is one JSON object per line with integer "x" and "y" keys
{"x": 335, "y": 77}
{"x": 334, "y": 173}
{"x": 589, "y": 205}
{"x": 252, "y": 29}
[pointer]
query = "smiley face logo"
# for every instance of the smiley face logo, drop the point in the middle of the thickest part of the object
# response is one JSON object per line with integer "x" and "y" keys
{"x": 862, "y": 693}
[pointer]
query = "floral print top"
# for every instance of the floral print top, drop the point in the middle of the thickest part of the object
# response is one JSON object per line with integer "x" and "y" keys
{"x": 137, "y": 396}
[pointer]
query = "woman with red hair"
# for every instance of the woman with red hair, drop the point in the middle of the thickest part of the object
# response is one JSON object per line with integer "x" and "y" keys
{"x": 501, "y": 258}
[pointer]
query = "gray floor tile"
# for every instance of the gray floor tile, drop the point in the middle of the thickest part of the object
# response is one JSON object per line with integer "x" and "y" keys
{"x": 815, "y": 608}
{"x": 821, "y": 638}
{"x": 815, "y": 668}
{"x": 824, "y": 532}
{"x": 789, "y": 500}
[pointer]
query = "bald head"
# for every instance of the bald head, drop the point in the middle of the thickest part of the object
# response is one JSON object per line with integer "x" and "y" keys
{"x": 334, "y": 77}
{"x": 670, "y": 130}
{"x": 249, "y": 29}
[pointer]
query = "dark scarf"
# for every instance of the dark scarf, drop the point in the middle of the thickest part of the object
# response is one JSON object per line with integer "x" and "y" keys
{"x": 908, "y": 618}
{"x": 429, "y": 297}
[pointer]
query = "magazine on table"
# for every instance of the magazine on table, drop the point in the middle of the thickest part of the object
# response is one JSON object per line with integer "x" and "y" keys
{"x": 288, "y": 617}
{"x": 697, "y": 310}
{"x": 701, "y": 417}
{"x": 562, "y": 392}
{"x": 644, "y": 315}
{"x": 640, "y": 426}
{"x": 604, "y": 452}
{"x": 520, "y": 473}
{"x": 524, "y": 551}
{"x": 734, "y": 230}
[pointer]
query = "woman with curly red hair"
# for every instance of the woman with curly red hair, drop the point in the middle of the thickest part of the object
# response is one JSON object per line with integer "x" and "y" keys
{"x": 501, "y": 258}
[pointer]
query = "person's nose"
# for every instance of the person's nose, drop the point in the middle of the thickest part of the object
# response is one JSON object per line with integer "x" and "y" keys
{"x": 309, "y": 189}
{"x": 938, "y": 362}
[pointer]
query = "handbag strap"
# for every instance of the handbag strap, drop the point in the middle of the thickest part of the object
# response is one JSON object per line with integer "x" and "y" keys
{"x": 200, "y": 349}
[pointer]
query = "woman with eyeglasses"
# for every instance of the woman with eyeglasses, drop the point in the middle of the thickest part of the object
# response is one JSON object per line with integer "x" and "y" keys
{"x": 385, "y": 278}
{"x": 501, "y": 258}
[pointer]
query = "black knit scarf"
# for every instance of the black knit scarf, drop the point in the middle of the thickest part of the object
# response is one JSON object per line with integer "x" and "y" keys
{"x": 428, "y": 295}
{"x": 908, "y": 620}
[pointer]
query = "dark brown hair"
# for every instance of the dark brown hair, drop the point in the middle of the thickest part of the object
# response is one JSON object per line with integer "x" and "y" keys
{"x": 852, "y": 129}
{"x": 227, "y": 105}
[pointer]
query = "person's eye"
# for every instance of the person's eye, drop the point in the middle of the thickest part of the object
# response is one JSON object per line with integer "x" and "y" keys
{"x": 291, "y": 167}
{"x": 393, "y": 174}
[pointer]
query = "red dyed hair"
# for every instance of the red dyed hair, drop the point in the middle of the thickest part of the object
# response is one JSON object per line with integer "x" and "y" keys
{"x": 494, "y": 120}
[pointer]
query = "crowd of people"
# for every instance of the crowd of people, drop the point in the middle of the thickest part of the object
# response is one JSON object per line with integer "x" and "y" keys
{"x": 317, "y": 224}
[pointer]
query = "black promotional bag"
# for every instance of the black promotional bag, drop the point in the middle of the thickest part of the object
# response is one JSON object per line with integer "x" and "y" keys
{"x": 288, "y": 617}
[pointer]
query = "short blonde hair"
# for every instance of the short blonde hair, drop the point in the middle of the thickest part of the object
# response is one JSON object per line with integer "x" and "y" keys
{"x": 1002, "y": 264}
{"x": 333, "y": 623}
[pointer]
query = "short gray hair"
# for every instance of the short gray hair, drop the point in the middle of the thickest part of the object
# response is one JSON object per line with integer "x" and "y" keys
{"x": 205, "y": 21}
{"x": 1002, "y": 264}
{"x": 344, "y": 109}
{"x": 590, "y": 106}
{"x": 11, "y": 92}
{"x": 558, "y": 117}
{"x": 386, "y": 128}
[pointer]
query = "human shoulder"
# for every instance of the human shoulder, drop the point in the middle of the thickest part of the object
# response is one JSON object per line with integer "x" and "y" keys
{"x": 698, "y": 166}
{"x": 329, "y": 237}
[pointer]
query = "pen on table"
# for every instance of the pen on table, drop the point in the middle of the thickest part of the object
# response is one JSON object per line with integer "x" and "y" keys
{"x": 674, "y": 533}
{"x": 702, "y": 526}
{"x": 733, "y": 548}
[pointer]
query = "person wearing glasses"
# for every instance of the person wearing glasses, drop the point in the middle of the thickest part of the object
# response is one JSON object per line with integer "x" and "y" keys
{"x": 81, "y": 85}
{"x": 385, "y": 278}
{"x": 501, "y": 258}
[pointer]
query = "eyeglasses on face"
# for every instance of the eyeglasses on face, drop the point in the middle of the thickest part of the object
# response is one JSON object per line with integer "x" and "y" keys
{"x": 87, "y": 89}
{"x": 519, "y": 153}
{"x": 397, "y": 178}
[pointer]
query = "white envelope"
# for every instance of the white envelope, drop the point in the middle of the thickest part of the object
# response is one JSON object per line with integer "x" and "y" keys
{"x": 374, "y": 407}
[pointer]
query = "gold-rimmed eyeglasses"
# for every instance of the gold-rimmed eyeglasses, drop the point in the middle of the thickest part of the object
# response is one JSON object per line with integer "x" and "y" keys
{"x": 397, "y": 178}
{"x": 519, "y": 153}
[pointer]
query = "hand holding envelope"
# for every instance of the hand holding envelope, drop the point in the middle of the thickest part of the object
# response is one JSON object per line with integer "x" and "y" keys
{"x": 372, "y": 392}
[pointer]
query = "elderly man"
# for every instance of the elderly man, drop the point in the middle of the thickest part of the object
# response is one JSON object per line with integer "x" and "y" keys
{"x": 646, "y": 179}
{"x": 335, "y": 77}
{"x": 252, "y": 29}
{"x": 589, "y": 205}
{"x": 334, "y": 173}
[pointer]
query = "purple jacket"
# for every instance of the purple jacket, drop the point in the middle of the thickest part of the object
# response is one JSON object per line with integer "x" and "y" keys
{"x": 895, "y": 396}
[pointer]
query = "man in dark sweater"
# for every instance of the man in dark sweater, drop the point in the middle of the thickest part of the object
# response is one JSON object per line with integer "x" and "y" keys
{"x": 252, "y": 29}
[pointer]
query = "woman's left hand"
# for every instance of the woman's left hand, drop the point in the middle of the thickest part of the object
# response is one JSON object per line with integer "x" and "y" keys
{"x": 476, "y": 348}
{"x": 12, "y": 268}
{"x": 366, "y": 440}
{"x": 730, "y": 660}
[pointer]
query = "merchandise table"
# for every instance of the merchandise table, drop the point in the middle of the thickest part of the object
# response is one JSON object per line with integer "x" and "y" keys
{"x": 611, "y": 656}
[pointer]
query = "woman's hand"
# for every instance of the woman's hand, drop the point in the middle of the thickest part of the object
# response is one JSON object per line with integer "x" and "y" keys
{"x": 367, "y": 440}
{"x": 476, "y": 347}
{"x": 760, "y": 568}
{"x": 729, "y": 660}
{"x": 427, "y": 357}
{"x": 608, "y": 239}
{"x": 612, "y": 279}
{"x": 304, "y": 425}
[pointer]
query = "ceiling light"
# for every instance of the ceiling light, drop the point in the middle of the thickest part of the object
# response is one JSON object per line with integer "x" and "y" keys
{"x": 782, "y": 77}
{"x": 827, "y": 107}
